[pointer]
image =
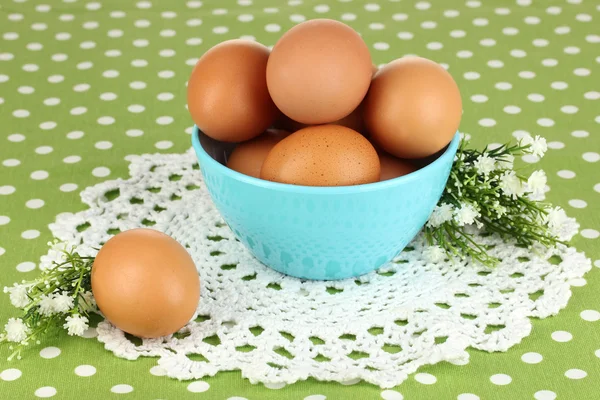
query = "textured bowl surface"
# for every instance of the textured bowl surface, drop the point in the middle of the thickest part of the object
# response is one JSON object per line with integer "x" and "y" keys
{"x": 322, "y": 233}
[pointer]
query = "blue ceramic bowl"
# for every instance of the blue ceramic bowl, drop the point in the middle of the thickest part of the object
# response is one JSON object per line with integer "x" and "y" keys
{"x": 322, "y": 233}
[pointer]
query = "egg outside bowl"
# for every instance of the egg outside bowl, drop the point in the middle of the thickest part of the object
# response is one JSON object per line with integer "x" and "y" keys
{"x": 322, "y": 233}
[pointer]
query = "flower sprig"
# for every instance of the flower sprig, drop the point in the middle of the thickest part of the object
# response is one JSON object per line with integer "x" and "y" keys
{"x": 485, "y": 191}
{"x": 60, "y": 297}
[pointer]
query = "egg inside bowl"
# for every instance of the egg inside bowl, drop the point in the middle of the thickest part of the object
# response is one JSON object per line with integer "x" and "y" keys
{"x": 322, "y": 233}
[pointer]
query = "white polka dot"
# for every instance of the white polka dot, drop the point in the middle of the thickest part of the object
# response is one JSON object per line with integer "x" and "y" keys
{"x": 581, "y": 71}
{"x": 559, "y": 85}
{"x": 220, "y": 30}
{"x": 68, "y": 187}
{"x": 425, "y": 379}
{"x": 540, "y": 42}
{"x": 26, "y": 266}
{"x": 198, "y": 387}
{"x": 34, "y": 203}
{"x": 194, "y": 4}
{"x": 21, "y": 113}
{"x": 163, "y": 144}
{"x": 391, "y": 395}
{"x": 52, "y": 101}
{"x": 136, "y": 108}
{"x": 372, "y": 7}
{"x": 591, "y": 157}
{"x": 591, "y": 95}
{"x": 480, "y": 22}
{"x": 11, "y": 374}
{"x": 78, "y": 110}
{"x": 158, "y": 371}
{"x": 34, "y": 46}
{"x": 451, "y": 13}
{"x": 561, "y": 336}
{"x": 87, "y": 45}
{"x": 553, "y": 10}
{"x": 500, "y": 379}
{"x": 121, "y": 389}
{"x": 275, "y": 386}
{"x": 398, "y": 17}
{"x": 4, "y": 220}
{"x": 532, "y": 358}
{"x": 30, "y": 67}
{"x": 467, "y": 396}
{"x": 464, "y": 54}
{"x": 590, "y": 315}
{"x": 592, "y": 38}
{"x": 544, "y": 395}
{"x": 50, "y": 352}
{"x": 75, "y": 135}
{"x": 578, "y": 282}
{"x": 164, "y": 120}
{"x": 532, "y": 20}
{"x": 165, "y": 96}
{"x": 85, "y": 370}
{"x": 272, "y": 28}
{"x": 566, "y": 174}
{"x": 434, "y": 46}
{"x": 134, "y": 132}
{"x": 562, "y": 30}
{"x": 536, "y": 97}
{"x": 117, "y": 14}
{"x": 106, "y": 120}
{"x": 597, "y": 352}
{"x": 44, "y": 150}
{"x": 512, "y": 110}
{"x": 30, "y": 234}
{"x": 39, "y": 175}
{"x": 458, "y": 33}
{"x": 297, "y": 18}
{"x": 6, "y": 56}
{"x": 575, "y": 374}
{"x": 48, "y": 125}
{"x": 71, "y": 159}
{"x": 166, "y": 74}
{"x": 376, "y": 26}
{"x": 11, "y": 162}
{"x": 510, "y": 31}
{"x": 91, "y": 25}
{"x": 81, "y": 87}
{"x": 590, "y": 233}
{"x": 569, "y": 109}
{"x": 316, "y": 397}
{"x": 502, "y": 11}
{"x": 101, "y": 172}
{"x": 7, "y": 189}
{"x": 549, "y": 62}
{"x": 576, "y": 203}
{"x": 405, "y": 35}
{"x": 487, "y": 122}
{"x": 471, "y": 75}
{"x": 517, "y": 53}
{"x": 111, "y": 73}
{"x": 530, "y": 158}
{"x": 495, "y": 64}
{"x": 545, "y": 122}
{"x": 46, "y": 391}
{"x": 487, "y": 42}
{"x": 479, "y": 98}
{"x": 16, "y": 137}
{"x": 583, "y": 17}
{"x": 503, "y": 86}
{"x": 321, "y": 8}
{"x": 381, "y": 46}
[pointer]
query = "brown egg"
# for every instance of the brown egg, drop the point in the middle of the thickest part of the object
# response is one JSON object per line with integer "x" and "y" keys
{"x": 145, "y": 283}
{"x": 413, "y": 107}
{"x": 392, "y": 167}
{"x": 322, "y": 155}
{"x": 319, "y": 71}
{"x": 353, "y": 121}
{"x": 227, "y": 91}
{"x": 247, "y": 158}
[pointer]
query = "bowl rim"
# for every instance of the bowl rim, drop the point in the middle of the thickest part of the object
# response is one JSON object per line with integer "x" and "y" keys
{"x": 204, "y": 157}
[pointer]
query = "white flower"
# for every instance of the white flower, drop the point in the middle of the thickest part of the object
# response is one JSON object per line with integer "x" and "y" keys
{"x": 511, "y": 185}
{"x": 556, "y": 219}
{"x": 62, "y": 302}
{"x": 466, "y": 214}
{"x": 434, "y": 254}
{"x": 88, "y": 303}
{"x": 537, "y": 145}
{"x": 16, "y": 330}
{"x": 485, "y": 164}
{"x": 46, "y": 305}
{"x": 506, "y": 162}
{"x": 56, "y": 255}
{"x": 18, "y": 296}
{"x": 500, "y": 209}
{"x": 537, "y": 182}
{"x": 440, "y": 215}
{"x": 76, "y": 325}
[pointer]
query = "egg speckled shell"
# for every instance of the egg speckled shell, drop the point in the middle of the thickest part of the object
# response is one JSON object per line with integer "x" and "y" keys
{"x": 323, "y": 155}
{"x": 145, "y": 283}
{"x": 413, "y": 107}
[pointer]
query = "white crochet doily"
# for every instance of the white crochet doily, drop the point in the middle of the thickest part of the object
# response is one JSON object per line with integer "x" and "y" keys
{"x": 278, "y": 330}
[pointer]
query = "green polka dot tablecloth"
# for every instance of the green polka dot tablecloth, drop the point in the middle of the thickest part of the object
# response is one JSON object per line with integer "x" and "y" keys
{"x": 84, "y": 84}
